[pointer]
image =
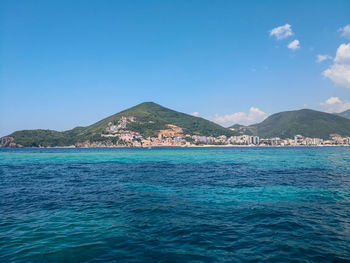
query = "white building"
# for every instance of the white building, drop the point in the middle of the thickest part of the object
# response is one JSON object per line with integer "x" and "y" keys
{"x": 298, "y": 139}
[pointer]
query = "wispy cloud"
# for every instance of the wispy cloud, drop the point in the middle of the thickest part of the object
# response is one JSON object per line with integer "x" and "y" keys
{"x": 195, "y": 113}
{"x": 345, "y": 31}
{"x": 282, "y": 32}
{"x": 253, "y": 116}
{"x": 334, "y": 104}
{"x": 339, "y": 72}
{"x": 321, "y": 58}
{"x": 294, "y": 45}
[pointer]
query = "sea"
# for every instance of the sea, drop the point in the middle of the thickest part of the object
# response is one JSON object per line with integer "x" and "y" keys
{"x": 175, "y": 204}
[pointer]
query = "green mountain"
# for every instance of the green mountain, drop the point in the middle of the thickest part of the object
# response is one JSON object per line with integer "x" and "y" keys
{"x": 149, "y": 117}
{"x": 306, "y": 122}
{"x": 345, "y": 114}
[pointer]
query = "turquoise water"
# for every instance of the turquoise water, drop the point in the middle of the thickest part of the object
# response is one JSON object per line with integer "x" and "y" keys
{"x": 175, "y": 205}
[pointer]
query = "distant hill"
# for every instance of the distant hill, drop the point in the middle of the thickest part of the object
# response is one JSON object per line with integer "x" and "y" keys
{"x": 306, "y": 122}
{"x": 242, "y": 129}
{"x": 149, "y": 119}
{"x": 345, "y": 114}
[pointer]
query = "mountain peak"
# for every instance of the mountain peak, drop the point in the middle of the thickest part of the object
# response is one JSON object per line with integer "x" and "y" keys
{"x": 147, "y": 103}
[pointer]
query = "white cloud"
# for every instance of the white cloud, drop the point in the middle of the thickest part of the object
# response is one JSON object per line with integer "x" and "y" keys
{"x": 321, "y": 58}
{"x": 339, "y": 72}
{"x": 254, "y": 115}
{"x": 345, "y": 31}
{"x": 195, "y": 113}
{"x": 334, "y": 104}
{"x": 282, "y": 32}
{"x": 343, "y": 54}
{"x": 294, "y": 45}
{"x": 333, "y": 100}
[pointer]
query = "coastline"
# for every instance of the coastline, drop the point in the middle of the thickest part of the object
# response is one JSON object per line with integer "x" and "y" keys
{"x": 176, "y": 146}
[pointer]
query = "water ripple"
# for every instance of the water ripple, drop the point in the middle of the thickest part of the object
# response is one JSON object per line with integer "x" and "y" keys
{"x": 137, "y": 205}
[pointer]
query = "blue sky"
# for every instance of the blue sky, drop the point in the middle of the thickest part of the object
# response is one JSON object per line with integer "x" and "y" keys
{"x": 70, "y": 63}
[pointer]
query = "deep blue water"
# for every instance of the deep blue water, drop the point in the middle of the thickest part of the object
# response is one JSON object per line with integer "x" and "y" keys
{"x": 175, "y": 205}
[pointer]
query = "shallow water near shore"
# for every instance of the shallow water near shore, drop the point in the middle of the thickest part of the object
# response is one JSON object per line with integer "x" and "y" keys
{"x": 175, "y": 205}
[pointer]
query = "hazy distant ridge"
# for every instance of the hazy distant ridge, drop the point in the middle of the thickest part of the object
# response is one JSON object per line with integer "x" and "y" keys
{"x": 345, "y": 114}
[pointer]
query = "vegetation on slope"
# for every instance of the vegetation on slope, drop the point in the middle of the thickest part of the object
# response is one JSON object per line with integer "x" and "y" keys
{"x": 306, "y": 122}
{"x": 36, "y": 138}
{"x": 151, "y": 117}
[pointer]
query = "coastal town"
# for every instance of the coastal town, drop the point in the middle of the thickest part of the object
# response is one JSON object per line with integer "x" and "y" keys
{"x": 175, "y": 136}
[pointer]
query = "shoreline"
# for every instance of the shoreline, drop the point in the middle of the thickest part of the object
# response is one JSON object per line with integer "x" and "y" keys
{"x": 176, "y": 146}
